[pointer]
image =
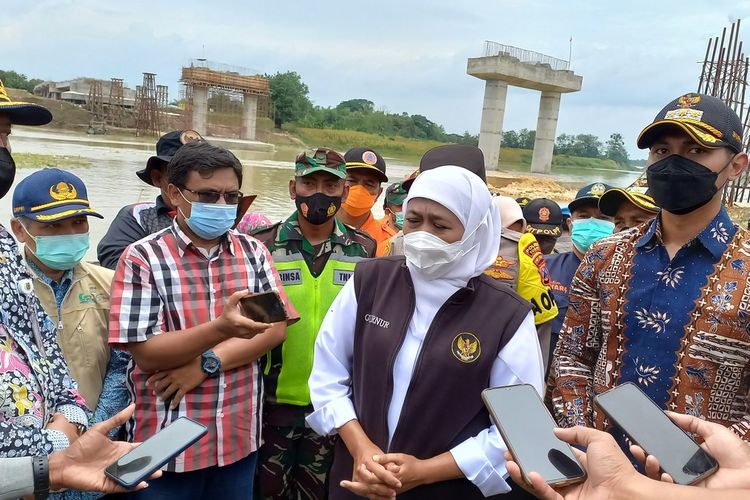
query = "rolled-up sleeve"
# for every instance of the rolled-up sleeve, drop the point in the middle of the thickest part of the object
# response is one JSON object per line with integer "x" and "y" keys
{"x": 330, "y": 380}
{"x": 481, "y": 458}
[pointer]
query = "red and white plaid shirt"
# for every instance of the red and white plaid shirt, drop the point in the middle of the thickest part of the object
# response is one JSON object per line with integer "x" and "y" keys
{"x": 164, "y": 283}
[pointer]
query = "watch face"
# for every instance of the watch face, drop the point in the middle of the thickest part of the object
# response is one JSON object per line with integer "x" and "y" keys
{"x": 211, "y": 365}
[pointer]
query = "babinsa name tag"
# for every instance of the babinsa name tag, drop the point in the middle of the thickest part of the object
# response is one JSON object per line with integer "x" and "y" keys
{"x": 341, "y": 277}
{"x": 291, "y": 277}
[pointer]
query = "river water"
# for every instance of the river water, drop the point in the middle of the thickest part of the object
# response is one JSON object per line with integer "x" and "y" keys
{"x": 112, "y": 183}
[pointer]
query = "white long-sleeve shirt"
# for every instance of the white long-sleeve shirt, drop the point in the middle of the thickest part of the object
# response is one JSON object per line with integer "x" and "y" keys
{"x": 480, "y": 458}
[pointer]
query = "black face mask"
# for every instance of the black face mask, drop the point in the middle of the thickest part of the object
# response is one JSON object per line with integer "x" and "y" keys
{"x": 7, "y": 171}
{"x": 680, "y": 185}
{"x": 317, "y": 208}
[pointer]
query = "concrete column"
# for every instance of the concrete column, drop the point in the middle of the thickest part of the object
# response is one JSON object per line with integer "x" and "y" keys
{"x": 546, "y": 126}
{"x": 200, "y": 110}
{"x": 491, "y": 130}
{"x": 249, "y": 117}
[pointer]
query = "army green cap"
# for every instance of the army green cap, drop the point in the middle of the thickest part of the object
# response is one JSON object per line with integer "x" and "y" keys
{"x": 395, "y": 194}
{"x": 321, "y": 159}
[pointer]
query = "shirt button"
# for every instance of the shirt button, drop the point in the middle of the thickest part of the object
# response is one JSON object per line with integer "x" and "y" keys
{"x": 219, "y": 414}
{"x": 223, "y": 386}
{"x": 213, "y": 290}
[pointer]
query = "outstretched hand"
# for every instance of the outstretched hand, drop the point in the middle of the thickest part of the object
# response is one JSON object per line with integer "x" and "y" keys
{"x": 81, "y": 466}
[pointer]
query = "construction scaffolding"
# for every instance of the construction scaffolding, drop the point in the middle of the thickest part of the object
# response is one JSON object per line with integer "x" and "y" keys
{"x": 95, "y": 103}
{"x": 116, "y": 105}
{"x": 148, "y": 114}
{"x": 724, "y": 75}
{"x": 226, "y": 98}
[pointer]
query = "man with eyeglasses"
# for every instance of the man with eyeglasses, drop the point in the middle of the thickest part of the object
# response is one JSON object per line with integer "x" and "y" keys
{"x": 315, "y": 255}
{"x": 175, "y": 308}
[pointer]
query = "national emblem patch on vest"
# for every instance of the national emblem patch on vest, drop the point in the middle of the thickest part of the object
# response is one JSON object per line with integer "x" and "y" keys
{"x": 466, "y": 347}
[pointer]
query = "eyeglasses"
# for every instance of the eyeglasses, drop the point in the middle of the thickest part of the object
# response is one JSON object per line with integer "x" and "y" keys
{"x": 231, "y": 197}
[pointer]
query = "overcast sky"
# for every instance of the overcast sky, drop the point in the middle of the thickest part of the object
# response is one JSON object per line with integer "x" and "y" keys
{"x": 403, "y": 55}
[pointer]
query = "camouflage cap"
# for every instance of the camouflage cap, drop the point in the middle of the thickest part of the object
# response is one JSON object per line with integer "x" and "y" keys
{"x": 320, "y": 159}
{"x": 395, "y": 194}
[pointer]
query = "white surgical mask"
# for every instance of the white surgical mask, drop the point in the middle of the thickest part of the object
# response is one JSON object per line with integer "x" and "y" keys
{"x": 430, "y": 254}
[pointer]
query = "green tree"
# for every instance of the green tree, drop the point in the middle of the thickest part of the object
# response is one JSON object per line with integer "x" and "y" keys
{"x": 15, "y": 80}
{"x": 615, "y": 150}
{"x": 526, "y": 138}
{"x": 587, "y": 145}
{"x": 289, "y": 95}
{"x": 357, "y": 105}
{"x": 510, "y": 139}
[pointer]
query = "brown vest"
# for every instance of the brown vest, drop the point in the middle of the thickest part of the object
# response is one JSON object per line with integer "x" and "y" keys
{"x": 443, "y": 406}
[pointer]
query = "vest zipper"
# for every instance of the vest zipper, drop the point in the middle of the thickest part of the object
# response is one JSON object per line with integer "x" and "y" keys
{"x": 392, "y": 361}
{"x": 420, "y": 357}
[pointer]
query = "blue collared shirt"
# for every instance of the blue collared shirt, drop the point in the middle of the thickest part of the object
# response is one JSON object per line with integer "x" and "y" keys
{"x": 661, "y": 295}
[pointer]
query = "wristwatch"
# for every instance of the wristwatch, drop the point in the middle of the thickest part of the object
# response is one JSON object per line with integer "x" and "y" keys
{"x": 41, "y": 476}
{"x": 210, "y": 364}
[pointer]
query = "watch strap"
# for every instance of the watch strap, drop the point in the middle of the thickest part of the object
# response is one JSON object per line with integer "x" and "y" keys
{"x": 40, "y": 466}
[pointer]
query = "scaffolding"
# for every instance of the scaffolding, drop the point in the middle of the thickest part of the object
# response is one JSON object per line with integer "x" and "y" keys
{"x": 147, "y": 112}
{"x": 95, "y": 103}
{"x": 116, "y": 105}
{"x": 724, "y": 75}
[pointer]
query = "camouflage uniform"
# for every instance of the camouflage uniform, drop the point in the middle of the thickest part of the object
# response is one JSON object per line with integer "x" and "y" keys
{"x": 294, "y": 461}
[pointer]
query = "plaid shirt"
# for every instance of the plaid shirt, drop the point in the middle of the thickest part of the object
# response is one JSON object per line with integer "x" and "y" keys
{"x": 163, "y": 283}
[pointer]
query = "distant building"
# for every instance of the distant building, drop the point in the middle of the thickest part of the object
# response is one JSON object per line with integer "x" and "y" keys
{"x": 77, "y": 91}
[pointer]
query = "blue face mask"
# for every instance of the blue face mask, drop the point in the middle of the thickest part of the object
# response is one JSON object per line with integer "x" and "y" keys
{"x": 400, "y": 220}
{"x": 210, "y": 221}
{"x": 586, "y": 232}
{"x": 61, "y": 252}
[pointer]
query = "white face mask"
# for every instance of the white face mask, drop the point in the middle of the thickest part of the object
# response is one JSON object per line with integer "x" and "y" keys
{"x": 431, "y": 255}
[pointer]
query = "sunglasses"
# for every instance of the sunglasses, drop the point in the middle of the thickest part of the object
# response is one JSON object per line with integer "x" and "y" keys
{"x": 230, "y": 197}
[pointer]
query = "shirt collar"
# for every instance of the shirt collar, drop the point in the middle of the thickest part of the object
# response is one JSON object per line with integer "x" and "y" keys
{"x": 184, "y": 242}
{"x": 66, "y": 279}
{"x": 715, "y": 237}
{"x": 290, "y": 230}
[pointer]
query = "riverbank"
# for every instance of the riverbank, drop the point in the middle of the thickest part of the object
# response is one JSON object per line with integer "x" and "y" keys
{"x": 33, "y": 160}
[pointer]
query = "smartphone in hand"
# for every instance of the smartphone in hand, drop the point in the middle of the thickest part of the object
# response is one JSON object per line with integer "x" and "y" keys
{"x": 151, "y": 455}
{"x": 528, "y": 431}
{"x": 265, "y": 307}
{"x": 646, "y": 425}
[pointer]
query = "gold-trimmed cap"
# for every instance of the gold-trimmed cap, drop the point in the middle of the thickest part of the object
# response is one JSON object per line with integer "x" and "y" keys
{"x": 706, "y": 119}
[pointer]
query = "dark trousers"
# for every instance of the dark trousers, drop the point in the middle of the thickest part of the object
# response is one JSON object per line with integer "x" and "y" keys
{"x": 231, "y": 482}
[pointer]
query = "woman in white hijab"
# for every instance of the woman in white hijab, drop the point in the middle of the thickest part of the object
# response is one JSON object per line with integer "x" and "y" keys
{"x": 409, "y": 344}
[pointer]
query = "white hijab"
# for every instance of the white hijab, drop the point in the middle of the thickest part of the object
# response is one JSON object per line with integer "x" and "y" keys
{"x": 464, "y": 194}
{"x": 467, "y": 197}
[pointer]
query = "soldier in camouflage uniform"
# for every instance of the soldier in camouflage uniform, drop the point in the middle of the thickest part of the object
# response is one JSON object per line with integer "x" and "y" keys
{"x": 315, "y": 255}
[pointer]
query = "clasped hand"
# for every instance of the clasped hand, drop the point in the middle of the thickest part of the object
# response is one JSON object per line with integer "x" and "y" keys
{"x": 383, "y": 475}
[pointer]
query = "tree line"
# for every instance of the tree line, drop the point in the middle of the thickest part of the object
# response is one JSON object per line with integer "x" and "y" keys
{"x": 585, "y": 145}
{"x": 290, "y": 97}
{"x": 14, "y": 80}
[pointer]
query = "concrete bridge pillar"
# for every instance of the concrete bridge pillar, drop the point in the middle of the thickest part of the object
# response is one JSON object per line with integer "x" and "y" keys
{"x": 200, "y": 110}
{"x": 249, "y": 116}
{"x": 546, "y": 125}
{"x": 491, "y": 130}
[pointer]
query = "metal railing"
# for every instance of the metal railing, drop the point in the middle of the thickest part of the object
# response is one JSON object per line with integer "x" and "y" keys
{"x": 224, "y": 68}
{"x": 525, "y": 56}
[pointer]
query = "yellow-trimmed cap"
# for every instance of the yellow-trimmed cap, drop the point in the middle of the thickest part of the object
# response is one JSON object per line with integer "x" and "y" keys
{"x": 706, "y": 119}
{"x": 611, "y": 200}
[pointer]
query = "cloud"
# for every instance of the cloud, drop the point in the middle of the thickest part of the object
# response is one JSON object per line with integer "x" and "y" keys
{"x": 404, "y": 56}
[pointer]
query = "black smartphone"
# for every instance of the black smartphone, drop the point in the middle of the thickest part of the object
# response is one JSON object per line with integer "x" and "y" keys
{"x": 265, "y": 307}
{"x": 646, "y": 425}
{"x": 153, "y": 453}
{"x": 527, "y": 429}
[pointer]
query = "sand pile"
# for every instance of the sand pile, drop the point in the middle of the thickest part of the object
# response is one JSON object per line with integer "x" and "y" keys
{"x": 535, "y": 187}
